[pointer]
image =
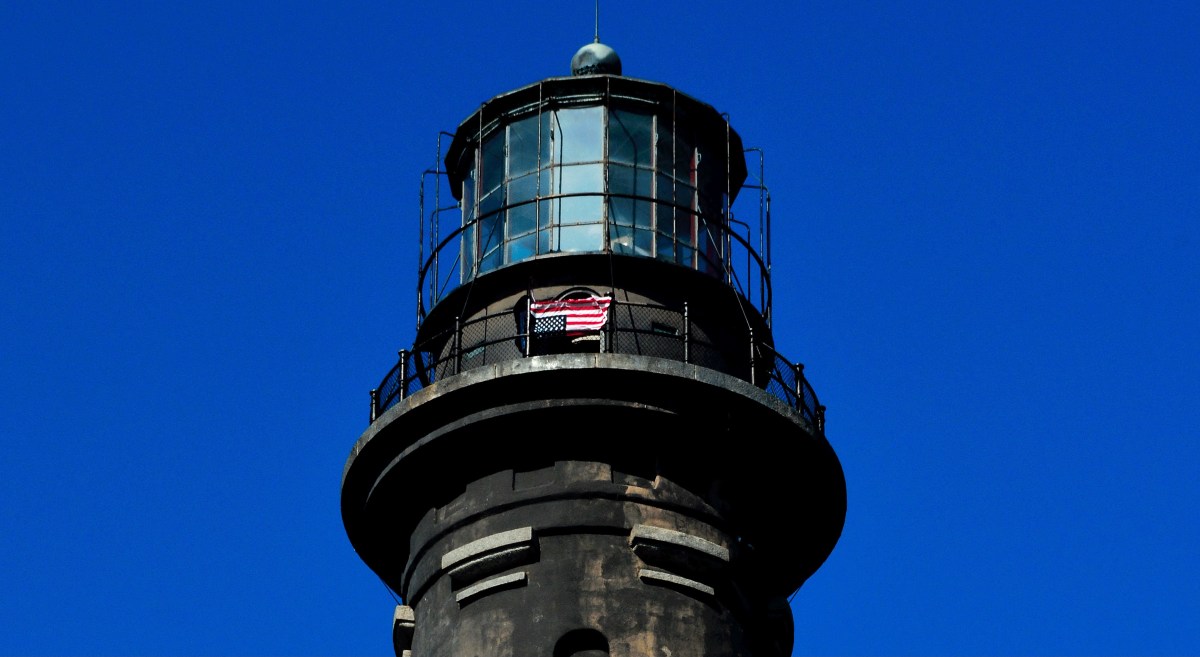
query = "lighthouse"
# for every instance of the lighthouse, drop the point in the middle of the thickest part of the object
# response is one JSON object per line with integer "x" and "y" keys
{"x": 594, "y": 445}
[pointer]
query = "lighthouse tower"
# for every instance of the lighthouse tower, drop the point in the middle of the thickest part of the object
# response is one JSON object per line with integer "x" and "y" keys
{"x": 593, "y": 446}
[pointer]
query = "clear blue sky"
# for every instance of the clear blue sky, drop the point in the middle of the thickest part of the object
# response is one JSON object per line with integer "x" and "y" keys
{"x": 986, "y": 253}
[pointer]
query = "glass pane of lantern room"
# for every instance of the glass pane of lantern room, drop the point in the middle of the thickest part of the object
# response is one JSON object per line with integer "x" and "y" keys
{"x": 491, "y": 164}
{"x": 621, "y": 183}
{"x": 675, "y": 155}
{"x": 581, "y": 238}
{"x": 522, "y": 211}
{"x": 468, "y": 197}
{"x": 579, "y": 135}
{"x": 580, "y": 179}
{"x": 523, "y": 146}
{"x": 629, "y": 138}
{"x": 468, "y": 247}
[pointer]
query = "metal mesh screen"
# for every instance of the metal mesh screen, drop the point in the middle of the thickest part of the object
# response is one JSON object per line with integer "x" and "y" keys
{"x": 647, "y": 330}
{"x": 388, "y": 392}
{"x": 781, "y": 381}
{"x": 632, "y": 328}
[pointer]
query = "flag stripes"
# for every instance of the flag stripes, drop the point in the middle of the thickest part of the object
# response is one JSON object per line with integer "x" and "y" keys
{"x": 570, "y": 315}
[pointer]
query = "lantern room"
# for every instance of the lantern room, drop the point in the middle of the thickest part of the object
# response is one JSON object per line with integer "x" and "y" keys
{"x": 594, "y": 164}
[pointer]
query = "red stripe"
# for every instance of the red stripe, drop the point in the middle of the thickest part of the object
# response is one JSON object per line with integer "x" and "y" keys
{"x": 571, "y": 307}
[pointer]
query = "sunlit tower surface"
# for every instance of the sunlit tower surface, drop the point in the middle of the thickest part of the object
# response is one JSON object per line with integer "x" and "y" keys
{"x": 593, "y": 446}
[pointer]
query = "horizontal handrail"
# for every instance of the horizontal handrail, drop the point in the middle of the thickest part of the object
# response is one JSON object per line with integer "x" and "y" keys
{"x": 632, "y": 328}
{"x": 751, "y": 278}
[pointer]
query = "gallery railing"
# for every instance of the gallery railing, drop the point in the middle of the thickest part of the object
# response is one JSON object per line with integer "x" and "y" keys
{"x": 732, "y": 243}
{"x": 632, "y": 328}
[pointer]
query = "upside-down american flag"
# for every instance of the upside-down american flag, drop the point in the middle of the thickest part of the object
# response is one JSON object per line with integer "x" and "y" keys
{"x": 569, "y": 315}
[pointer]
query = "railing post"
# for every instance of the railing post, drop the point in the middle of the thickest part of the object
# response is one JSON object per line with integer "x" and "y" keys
{"x": 403, "y": 373}
{"x": 798, "y": 370}
{"x": 457, "y": 344}
{"x": 687, "y": 334}
{"x": 374, "y": 403}
{"x": 528, "y": 326}
{"x": 753, "y": 364}
{"x": 607, "y": 346}
{"x": 821, "y": 419}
